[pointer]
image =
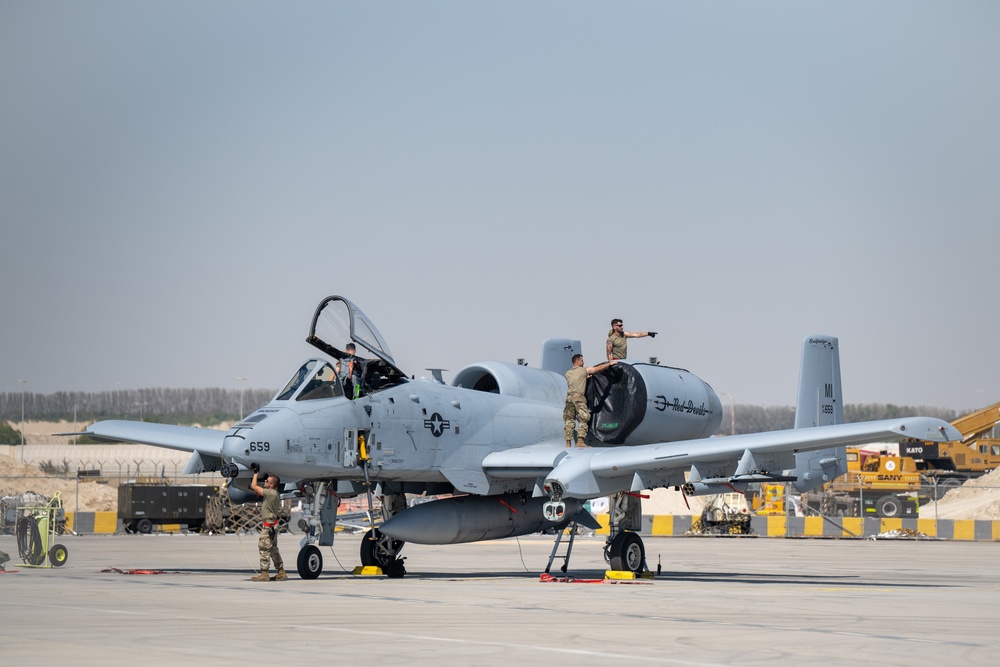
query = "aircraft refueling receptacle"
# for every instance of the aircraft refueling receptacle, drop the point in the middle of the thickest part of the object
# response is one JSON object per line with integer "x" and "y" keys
{"x": 491, "y": 443}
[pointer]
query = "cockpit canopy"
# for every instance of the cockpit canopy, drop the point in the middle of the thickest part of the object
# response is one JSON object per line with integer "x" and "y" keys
{"x": 337, "y": 319}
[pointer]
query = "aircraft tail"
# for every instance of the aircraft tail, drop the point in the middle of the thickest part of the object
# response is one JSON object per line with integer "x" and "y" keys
{"x": 557, "y": 354}
{"x": 820, "y": 403}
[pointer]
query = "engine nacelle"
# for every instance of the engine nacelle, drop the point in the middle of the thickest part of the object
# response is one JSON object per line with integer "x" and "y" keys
{"x": 506, "y": 379}
{"x": 639, "y": 404}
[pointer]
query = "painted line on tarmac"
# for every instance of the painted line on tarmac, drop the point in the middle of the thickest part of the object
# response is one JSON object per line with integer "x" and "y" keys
{"x": 270, "y": 626}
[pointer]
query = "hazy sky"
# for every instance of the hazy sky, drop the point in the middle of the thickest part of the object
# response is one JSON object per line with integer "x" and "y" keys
{"x": 181, "y": 183}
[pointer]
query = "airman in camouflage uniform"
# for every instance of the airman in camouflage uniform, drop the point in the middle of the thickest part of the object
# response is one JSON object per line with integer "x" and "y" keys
{"x": 267, "y": 544}
{"x": 575, "y": 414}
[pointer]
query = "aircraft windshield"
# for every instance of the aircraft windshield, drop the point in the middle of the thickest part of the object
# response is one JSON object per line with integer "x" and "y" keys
{"x": 316, "y": 375}
{"x": 324, "y": 384}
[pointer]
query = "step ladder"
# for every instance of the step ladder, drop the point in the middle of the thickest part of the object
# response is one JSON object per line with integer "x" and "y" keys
{"x": 569, "y": 547}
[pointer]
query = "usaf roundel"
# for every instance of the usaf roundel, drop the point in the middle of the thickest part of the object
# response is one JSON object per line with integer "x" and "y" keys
{"x": 437, "y": 424}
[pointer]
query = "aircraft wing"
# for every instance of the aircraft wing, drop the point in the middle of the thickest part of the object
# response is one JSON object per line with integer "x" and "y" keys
{"x": 595, "y": 472}
{"x": 205, "y": 444}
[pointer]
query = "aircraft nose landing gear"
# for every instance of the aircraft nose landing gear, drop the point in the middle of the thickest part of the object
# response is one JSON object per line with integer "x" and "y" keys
{"x": 320, "y": 525}
{"x": 309, "y": 562}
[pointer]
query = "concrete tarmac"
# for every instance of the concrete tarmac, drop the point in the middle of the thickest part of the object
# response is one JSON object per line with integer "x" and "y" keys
{"x": 717, "y": 601}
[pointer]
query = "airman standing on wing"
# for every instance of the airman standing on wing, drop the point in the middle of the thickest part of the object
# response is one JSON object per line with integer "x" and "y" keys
{"x": 575, "y": 414}
{"x": 617, "y": 346}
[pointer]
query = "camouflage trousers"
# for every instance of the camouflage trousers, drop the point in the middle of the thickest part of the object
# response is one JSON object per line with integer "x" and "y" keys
{"x": 268, "y": 547}
{"x": 574, "y": 413}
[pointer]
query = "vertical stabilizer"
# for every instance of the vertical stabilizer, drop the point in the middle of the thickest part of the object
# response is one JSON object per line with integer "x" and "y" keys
{"x": 820, "y": 403}
{"x": 557, "y": 354}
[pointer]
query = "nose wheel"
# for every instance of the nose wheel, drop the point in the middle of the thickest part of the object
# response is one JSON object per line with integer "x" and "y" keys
{"x": 310, "y": 562}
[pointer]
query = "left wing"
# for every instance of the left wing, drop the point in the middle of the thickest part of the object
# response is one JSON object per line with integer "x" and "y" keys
{"x": 205, "y": 444}
{"x": 725, "y": 460}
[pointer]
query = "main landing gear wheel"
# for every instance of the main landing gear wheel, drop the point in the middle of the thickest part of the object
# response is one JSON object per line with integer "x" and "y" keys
{"x": 310, "y": 562}
{"x": 626, "y": 553}
{"x": 381, "y": 550}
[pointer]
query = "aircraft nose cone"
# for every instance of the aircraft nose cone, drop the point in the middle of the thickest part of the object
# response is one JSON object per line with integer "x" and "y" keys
{"x": 232, "y": 446}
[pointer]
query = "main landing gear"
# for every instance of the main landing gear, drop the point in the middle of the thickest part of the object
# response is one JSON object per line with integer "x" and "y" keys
{"x": 319, "y": 525}
{"x": 624, "y": 550}
{"x": 381, "y": 550}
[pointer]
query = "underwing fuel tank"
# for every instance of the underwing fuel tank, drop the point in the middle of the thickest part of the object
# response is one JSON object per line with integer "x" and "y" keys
{"x": 474, "y": 518}
{"x": 639, "y": 404}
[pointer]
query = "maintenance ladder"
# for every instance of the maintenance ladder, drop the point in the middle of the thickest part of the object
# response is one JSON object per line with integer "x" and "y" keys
{"x": 569, "y": 547}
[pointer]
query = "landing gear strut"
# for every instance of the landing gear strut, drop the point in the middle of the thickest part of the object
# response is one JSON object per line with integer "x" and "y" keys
{"x": 319, "y": 526}
{"x": 624, "y": 550}
{"x": 381, "y": 550}
{"x": 378, "y": 549}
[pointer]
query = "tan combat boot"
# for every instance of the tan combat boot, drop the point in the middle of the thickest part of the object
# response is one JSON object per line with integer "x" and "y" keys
{"x": 580, "y": 443}
{"x": 261, "y": 577}
{"x": 569, "y": 443}
{"x": 281, "y": 576}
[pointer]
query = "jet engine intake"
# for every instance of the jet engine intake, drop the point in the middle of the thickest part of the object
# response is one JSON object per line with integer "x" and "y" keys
{"x": 498, "y": 377}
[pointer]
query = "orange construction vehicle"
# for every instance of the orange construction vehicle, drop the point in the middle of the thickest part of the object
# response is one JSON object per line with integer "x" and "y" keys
{"x": 877, "y": 484}
{"x": 949, "y": 464}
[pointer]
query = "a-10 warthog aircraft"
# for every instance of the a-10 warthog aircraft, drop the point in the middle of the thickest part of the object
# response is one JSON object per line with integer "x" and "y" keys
{"x": 492, "y": 443}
